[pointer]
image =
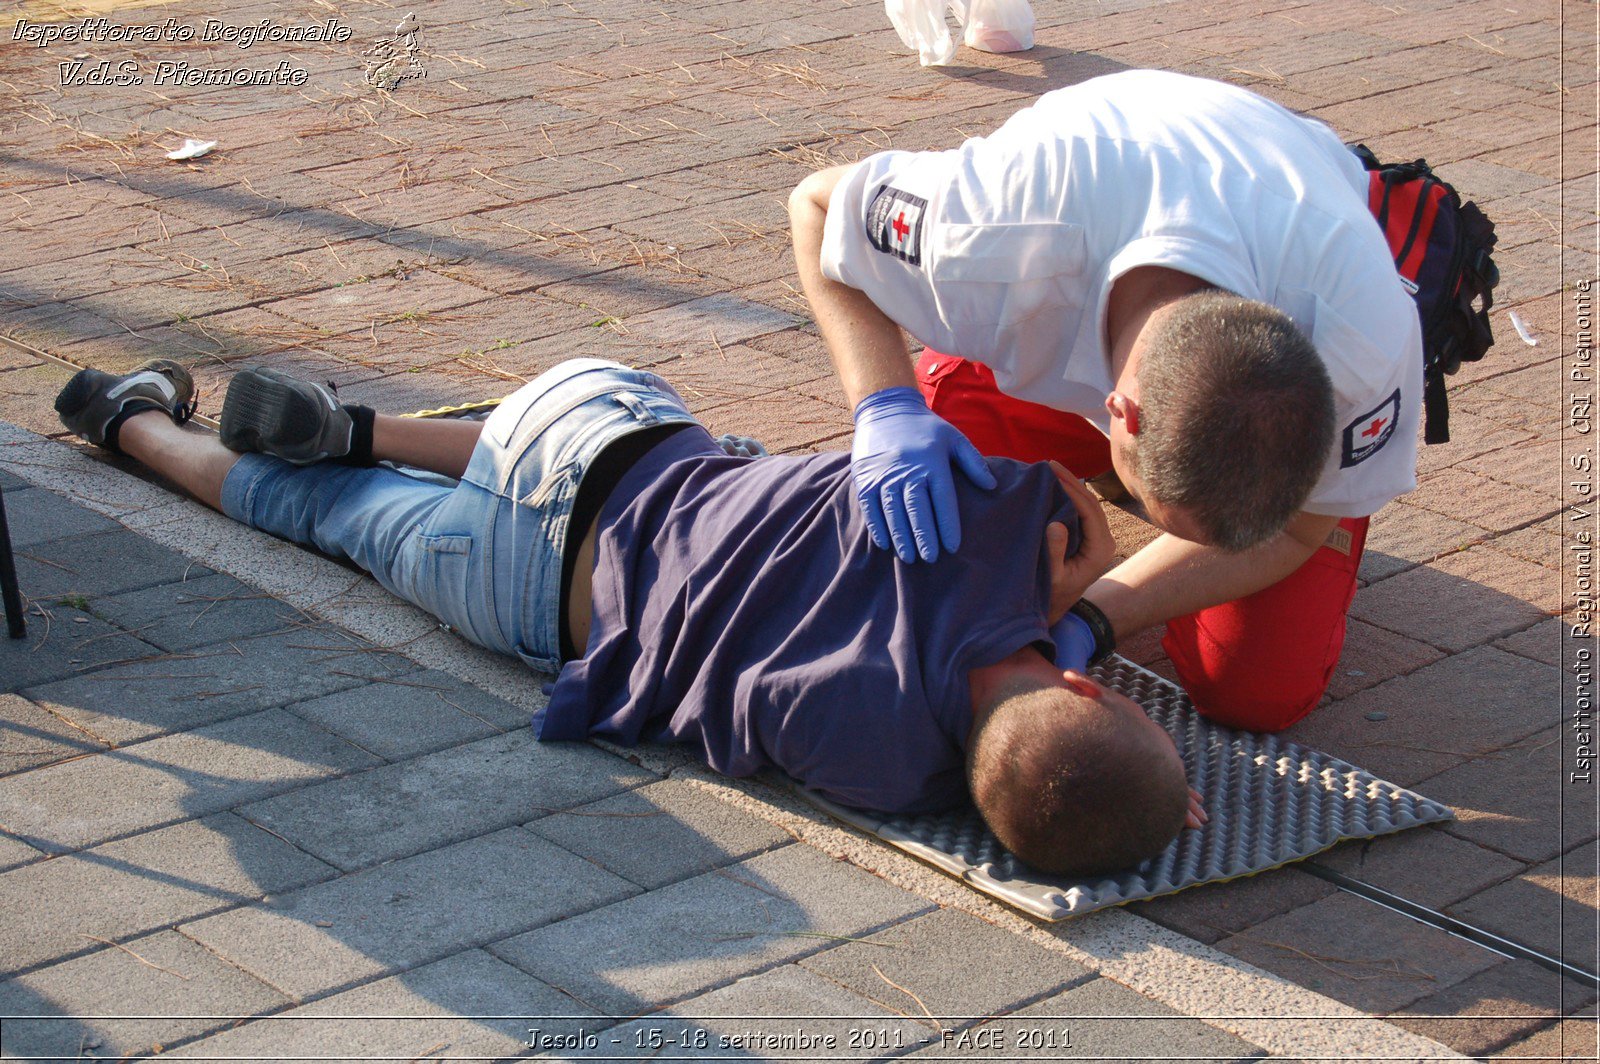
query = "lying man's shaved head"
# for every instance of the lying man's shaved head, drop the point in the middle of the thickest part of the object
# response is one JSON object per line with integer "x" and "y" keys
{"x": 1075, "y": 780}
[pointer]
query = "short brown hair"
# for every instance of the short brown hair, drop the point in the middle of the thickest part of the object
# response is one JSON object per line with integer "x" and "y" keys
{"x": 1073, "y": 787}
{"x": 1236, "y": 417}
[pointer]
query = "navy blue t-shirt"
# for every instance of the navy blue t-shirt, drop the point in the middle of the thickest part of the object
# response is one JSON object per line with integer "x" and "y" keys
{"x": 739, "y": 606}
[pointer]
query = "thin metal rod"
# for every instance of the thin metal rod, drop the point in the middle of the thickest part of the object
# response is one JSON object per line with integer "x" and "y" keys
{"x": 29, "y": 349}
{"x": 1476, "y": 935}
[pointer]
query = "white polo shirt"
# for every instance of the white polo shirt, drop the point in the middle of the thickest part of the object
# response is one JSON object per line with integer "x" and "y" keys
{"x": 1004, "y": 250}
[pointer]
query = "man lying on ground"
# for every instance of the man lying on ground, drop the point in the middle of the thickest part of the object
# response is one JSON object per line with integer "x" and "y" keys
{"x": 686, "y": 595}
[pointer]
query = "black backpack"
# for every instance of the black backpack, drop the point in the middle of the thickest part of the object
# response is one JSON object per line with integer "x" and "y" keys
{"x": 1441, "y": 249}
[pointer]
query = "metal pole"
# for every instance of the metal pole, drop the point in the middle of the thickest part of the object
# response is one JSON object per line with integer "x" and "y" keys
{"x": 15, "y": 624}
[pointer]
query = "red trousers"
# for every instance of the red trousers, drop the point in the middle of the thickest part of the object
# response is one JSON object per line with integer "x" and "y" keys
{"x": 1261, "y": 662}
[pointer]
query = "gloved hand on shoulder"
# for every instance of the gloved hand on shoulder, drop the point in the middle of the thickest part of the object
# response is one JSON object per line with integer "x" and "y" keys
{"x": 902, "y": 461}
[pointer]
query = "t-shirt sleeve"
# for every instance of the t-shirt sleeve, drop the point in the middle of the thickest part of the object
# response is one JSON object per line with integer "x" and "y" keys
{"x": 876, "y": 237}
{"x": 1377, "y": 415}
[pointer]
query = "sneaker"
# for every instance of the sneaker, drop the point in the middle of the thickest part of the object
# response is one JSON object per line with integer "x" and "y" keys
{"x": 94, "y": 404}
{"x": 269, "y": 412}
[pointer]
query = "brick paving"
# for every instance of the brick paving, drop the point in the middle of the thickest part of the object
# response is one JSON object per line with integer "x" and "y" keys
{"x": 269, "y": 814}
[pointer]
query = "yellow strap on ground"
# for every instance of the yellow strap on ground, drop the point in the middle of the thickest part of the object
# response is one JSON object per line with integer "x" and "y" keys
{"x": 457, "y": 411}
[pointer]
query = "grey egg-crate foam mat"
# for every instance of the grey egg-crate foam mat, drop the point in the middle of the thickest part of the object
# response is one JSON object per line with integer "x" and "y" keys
{"x": 1270, "y": 801}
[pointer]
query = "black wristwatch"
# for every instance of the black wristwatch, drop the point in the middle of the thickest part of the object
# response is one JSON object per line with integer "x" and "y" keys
{"x": 1105, "y": 640}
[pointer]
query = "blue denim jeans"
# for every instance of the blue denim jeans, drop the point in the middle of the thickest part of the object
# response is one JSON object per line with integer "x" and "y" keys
{"x": 483, "y": 555}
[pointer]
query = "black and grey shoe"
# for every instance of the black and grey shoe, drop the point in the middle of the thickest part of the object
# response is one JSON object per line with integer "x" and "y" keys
{"x": 94, "y": 404}
{"x": 268, "y": 412}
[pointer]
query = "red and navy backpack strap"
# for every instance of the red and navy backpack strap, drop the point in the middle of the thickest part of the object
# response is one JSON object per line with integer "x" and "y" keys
{"x": 1442, "y": 250}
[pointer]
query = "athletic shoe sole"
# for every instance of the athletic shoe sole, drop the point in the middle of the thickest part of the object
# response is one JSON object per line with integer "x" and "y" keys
{"x": 268, "y": 412}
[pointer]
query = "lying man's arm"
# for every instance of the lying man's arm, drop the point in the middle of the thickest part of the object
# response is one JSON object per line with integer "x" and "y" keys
{"x": 1173, "y": 577}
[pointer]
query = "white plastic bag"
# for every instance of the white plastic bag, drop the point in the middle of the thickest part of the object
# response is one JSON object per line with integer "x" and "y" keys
{"x": 921, "y": 25}
{"x": 998, "y": 25}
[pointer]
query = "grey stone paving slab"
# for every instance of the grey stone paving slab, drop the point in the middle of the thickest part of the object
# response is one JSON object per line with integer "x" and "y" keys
{"x": 701, "y": 932}
{"x": 1571, "y": 1039}
{"x": 37, "y": 515}
{"x": 1403, "y": 536}
{"x": 166, "y": 974}
{"x": 438, "y": 995}
{"x": 726, "y": 318}
{"x": 1462, "y": 600}
{"x": 194, "y": 612}
{"x": 47, "y": 323}
{"x": 167, "y": 693}
{"x": 1098, "y": 1020}
{"x": 67, "y": 643}
{"x": 1435, "y": 718}
{"x": 384, "y": 298}
{"x": 1507, "y": 799}
{"x": 409, "y": 912}
{"x": 1360, "y": 953}
{"x": 1426, "y": 866}
{"x": 412, "y": 713}
{"x": 468, "y": 790}
{"x": 10, "y": 482}
{"x": 662, "y": 833}
{"x": 177, "y": 777}
{"x": 1494, "y": 1007}
{"x": 102, "y": 563}
{"x": 30, "y": 737}
{"x": 14, "y": 852}
{"x": 134, "y": 885}
{"x": 1372, "y": 655}
{"x": 1550, "y": 907}
{"x": 777, "y": 1015}
{"x": 907, "y": 968}
{"x": 1543, "y": 642}
{"x": 1215, "y": 910}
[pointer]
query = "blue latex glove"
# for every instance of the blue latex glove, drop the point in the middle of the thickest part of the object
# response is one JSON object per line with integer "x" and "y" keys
{"x": 1074, "y": 643}
{"x": 901, "y": 460}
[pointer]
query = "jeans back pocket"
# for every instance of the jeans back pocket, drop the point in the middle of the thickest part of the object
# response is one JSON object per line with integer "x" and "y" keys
{"x": 448, "y": 587}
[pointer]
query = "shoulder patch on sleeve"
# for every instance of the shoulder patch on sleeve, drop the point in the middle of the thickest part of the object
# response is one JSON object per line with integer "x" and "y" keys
{"x": 1367, "y": 433}
{"x": 894, "y": 224}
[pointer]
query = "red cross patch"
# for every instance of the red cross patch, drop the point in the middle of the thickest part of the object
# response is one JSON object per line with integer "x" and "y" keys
{"x": 894, "y": 224}
{"x": 1370, "y": 431}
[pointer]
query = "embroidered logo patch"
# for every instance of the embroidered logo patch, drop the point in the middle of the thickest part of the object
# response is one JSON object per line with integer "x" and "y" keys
{"x": 894, "y": 224}
{"x": 1370, "y": 431}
